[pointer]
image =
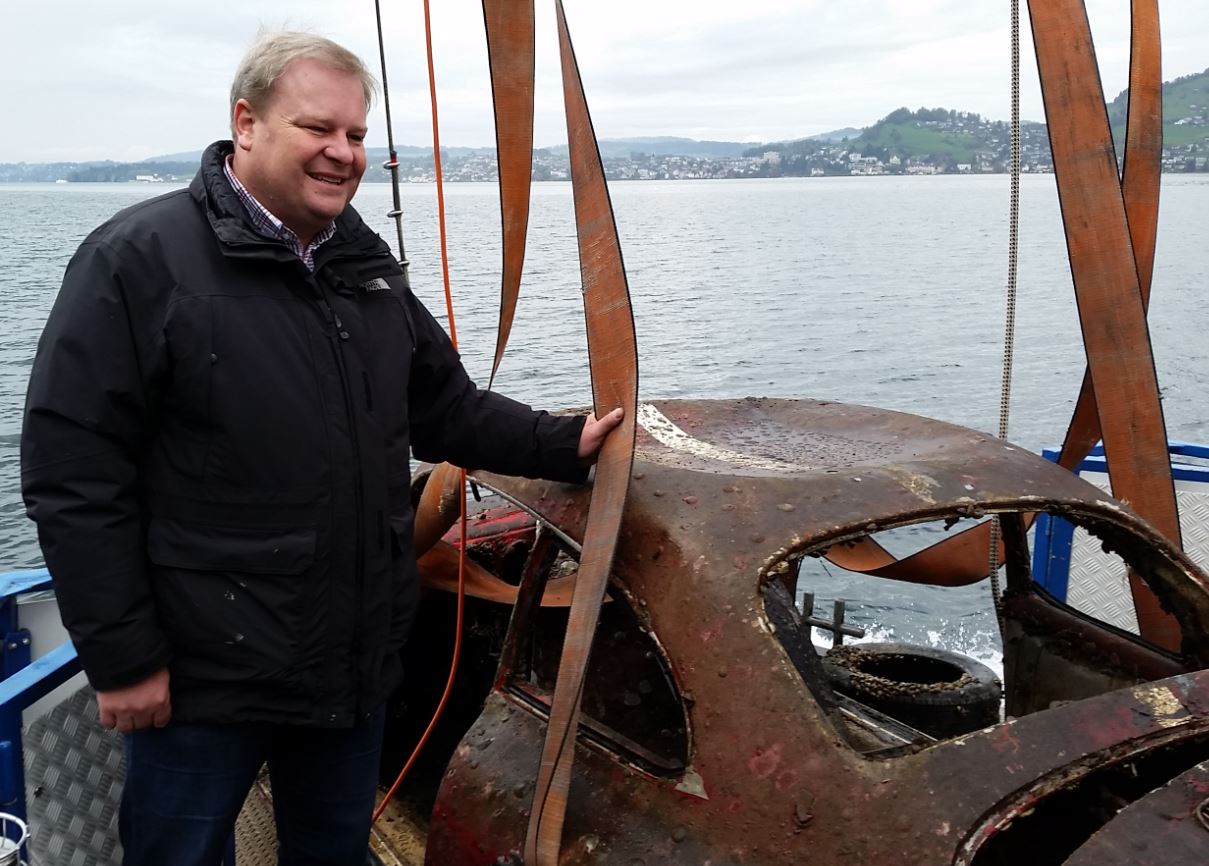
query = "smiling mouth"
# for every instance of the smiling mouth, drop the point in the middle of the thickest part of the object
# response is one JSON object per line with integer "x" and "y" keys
{"x": 327, "y": 178}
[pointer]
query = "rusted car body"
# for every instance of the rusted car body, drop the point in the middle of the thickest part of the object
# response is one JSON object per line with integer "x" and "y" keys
{"x": 710, "y": 732}
{"x": 710, "y": 729}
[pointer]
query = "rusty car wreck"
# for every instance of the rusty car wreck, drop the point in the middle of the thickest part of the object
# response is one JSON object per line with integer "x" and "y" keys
{"x": 712, "y": 731}
{"x": 689, "y": 717}
{"x": 641, "y": 679}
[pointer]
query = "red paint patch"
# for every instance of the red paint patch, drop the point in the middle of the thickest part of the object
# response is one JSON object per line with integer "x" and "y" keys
{"x": 1118, "y": 724}
{"x": 786, "y": 780}
{"x": 1004, "y": 740}
{"x": 764, "y": 763}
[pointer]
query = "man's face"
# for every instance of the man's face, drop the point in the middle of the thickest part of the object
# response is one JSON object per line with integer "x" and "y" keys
{"x": 303, "y": 153}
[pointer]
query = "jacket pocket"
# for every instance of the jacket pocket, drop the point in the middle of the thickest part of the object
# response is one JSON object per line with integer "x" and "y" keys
{"x": 256, "y": 550}
{"x": 405, "y": 581}
{"x": 235, "y": 603}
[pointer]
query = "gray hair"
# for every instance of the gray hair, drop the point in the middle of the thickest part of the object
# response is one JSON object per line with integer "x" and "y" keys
{"x": 268, "y": 58}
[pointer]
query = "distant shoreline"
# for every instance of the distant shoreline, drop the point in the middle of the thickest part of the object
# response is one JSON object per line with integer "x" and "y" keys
{"x": 174, "y": 182}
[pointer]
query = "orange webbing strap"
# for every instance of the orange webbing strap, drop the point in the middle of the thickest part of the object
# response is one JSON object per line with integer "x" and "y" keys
{"x": 441, "y": 503}
{"x": 444, "y": 568}
{"x": 1108, "y": 287}
{"x": 1144, "y": 138}
{"x": 510, "y": 53}
{"x": 1140, "y": 190}
{"x": 961, "y": 559}
{"x": 613, "y": 359}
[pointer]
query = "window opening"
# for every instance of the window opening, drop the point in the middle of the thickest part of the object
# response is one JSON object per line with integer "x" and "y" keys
{"x": 931, "y": 664}
{"x": 630, "y": 702}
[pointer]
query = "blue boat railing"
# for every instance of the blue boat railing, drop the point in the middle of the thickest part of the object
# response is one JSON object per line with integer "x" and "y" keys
{"x": 1054, "y": 537}
{"x": 25, "y": 681}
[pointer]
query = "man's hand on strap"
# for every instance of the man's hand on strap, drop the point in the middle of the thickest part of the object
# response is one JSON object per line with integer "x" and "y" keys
{"x": 594, "y": 433}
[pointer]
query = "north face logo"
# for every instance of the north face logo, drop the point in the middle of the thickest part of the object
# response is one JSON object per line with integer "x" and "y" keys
{"x": 377, "y": 284}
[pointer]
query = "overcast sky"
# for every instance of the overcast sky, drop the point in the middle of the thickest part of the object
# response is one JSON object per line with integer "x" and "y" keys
{"x": 130, "y": 79}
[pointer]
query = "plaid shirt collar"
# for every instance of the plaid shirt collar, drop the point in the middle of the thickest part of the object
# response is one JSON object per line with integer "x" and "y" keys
{"x": 271, "y": 227}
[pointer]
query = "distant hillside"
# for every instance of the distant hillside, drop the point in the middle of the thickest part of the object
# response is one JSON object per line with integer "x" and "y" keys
{"x": 664, "y": 145}
{"x": 935, "y": 138}
{"x": 1185, "y": 111}
{"x": 953, "y": 136}
{"x": 94, "y": 172}
{"x": 949, "y": 138}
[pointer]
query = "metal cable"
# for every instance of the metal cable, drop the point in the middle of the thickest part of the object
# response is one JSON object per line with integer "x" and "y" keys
{"x": 1009, "y": 325}
{"x": 392, "y": 164}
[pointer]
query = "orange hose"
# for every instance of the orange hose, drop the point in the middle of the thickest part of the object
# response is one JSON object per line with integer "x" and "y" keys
{"x": 453, "y": 336}
{"x": 453, "y": 670}
{"x": 436, "y": 158}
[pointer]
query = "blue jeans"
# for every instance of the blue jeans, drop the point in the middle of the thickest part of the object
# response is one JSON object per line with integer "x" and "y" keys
{"x": 185, "y": 785}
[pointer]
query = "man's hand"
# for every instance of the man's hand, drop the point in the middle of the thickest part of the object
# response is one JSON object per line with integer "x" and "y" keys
{"x": 141, "y": 705}
{"x": 594, "y": 433}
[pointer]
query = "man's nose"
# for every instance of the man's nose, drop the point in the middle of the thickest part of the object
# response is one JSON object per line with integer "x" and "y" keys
{"x": 339, "y": 150}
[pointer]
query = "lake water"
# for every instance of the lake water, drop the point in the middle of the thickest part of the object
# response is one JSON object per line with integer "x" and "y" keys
{"x": 883, "y": 291}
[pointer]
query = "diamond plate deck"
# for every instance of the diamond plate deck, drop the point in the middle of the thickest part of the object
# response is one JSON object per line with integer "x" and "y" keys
{"x": 74, "y": 771}
{"x": 1098, "y": 584}
{"x": 73, "y": 783}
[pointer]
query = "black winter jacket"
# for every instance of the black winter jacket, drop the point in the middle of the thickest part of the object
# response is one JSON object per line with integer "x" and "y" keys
{"x": 216, "y": 451}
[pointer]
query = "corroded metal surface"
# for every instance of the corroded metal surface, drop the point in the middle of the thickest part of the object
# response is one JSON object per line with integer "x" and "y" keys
{"x": 713, "y": 510}
{"x": 857, "y": 468}
{"x": 1171, "y": 825}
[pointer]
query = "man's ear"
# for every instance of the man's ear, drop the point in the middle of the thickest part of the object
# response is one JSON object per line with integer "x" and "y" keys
{"x": 243, "y": 121}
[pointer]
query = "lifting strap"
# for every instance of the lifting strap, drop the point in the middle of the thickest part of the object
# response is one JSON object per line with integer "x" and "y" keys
{"x": 1140, "y": 191}
{"x": 1105, "y": 268}
{"x": 613, "y": 360}
{"x": 962, "y": 558}
{"x": 510, "y": 52}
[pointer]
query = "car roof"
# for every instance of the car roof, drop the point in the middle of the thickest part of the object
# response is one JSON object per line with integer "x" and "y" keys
{"x": 814, "y": 469}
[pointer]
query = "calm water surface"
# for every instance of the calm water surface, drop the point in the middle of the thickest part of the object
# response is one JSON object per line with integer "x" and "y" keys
{"x": 884, "y": 291}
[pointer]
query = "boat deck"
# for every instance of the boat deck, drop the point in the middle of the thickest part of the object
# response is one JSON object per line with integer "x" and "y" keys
{"x": 74, "y": 775}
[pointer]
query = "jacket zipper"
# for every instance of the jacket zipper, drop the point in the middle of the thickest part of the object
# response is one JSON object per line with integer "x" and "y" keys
{"x": 337, "y": 336}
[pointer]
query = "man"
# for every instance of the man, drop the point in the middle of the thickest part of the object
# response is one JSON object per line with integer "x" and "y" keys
{"x": 216, "y": 452}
